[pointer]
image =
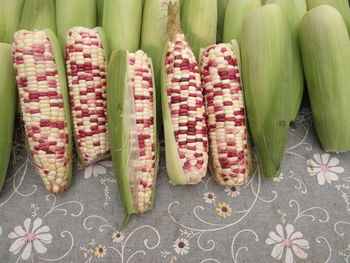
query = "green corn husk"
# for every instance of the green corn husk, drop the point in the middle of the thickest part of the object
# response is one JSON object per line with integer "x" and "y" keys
{"x": 122, "y": 24}
{"x": 154, "y": 26}
{"x": 341, "y": 5}
{"x": 295, "y": 11}
{"x": 235, "y": 12}
{"x": 120, "y": 123}
{"x": 199, "y": 23}
{"x": 10, "y": 13}
{"x": 38, "y": 15}
{"x": 8, "y": 99}
{"x": 222, "y": 4}
{"x": 71, "y": 13}
{"x": 99, "y": 12}
{"x": 325, "y": 47}
{"x": 266, "y": 52}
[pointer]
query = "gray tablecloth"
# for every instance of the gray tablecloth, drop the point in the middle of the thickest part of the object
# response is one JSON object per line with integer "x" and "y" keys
{"x": 302, "y": 216}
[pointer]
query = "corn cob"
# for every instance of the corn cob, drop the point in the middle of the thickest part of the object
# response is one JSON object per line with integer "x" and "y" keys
{"x": 236, "y": 10}
{"x": 122, "y": 24}
{"x": 325, "y": 49}
{"x": 38, "y": 15}
{"x": 199, "y": 23}
{"x": 86, "y": 69}
{"x": 10, "y": 12}
{"x": 294, "y": 15}
{"x": 183, "y": 108}
{"x": 224, "y": 105}
{"x": 43, "y": 96}
{"x": 72, "y": 13}
{"x": 341, "y": 5}
{"x": 154, "y": 23}
{"x": 222, "y": 4}
{"x": 267, "y": 79}
{"x": 99, "y": 12}
{"x": 8, "y": 96}
{"x": 132, "y": 129}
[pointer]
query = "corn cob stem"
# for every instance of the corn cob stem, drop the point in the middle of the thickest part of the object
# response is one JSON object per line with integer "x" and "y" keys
{"x": 43, "y": 95}
{"x": 183, "y": 108}
{"x": 86, "y": 70}
{"x": 8, "y": 98}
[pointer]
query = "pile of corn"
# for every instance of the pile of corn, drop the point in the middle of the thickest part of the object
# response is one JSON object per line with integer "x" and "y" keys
{"x": 156, "y": 68}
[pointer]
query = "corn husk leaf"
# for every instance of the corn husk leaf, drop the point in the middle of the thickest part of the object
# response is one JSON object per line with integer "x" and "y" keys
{"x": 325, "y": 47}
{"x": 99, "y": 6}
{"x": 222, "y": 4}
{"x": 10, "y": 13}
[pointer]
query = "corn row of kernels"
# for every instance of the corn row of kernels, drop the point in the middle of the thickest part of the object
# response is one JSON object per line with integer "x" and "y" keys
{"x": 225, "y": 114}
{"x": 42, "y": 107}
{"x": 86, "y": 69}
{"x": 141, "y": 86}
{"x": 186, "y": 105}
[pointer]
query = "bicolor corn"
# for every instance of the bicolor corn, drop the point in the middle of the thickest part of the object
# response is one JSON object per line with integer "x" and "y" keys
{"x": 43, "y": 100}
{"x": 86, "y": 69}
{"x": 225, "y": 111}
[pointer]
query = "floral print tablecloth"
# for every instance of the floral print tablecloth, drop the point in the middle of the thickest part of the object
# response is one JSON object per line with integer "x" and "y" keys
{"x": 302, "y": 216}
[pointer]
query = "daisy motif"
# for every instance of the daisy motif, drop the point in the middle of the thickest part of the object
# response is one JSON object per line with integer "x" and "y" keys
{"x": 223, "y": 209}
{"x": 209, "y": 197}
{"x": 33, "y": 235}
{"x": 97, "y": 169}
{"x": 100, "y": 251}
{"x": 181, "y": 246}
{"x": 325, "y": 168}
{"x": 232, "y": 191}
{"x": 117, "y": 237}
{"x": 288, "y": 243}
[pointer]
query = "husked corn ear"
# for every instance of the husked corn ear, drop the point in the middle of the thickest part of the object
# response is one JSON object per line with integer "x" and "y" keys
{"x": 132, "y": 128}
{"x": 199, "y": 23}
{"x": 73, "y": 13}
{"x": 38, "y": 15}
{"x": 222, "y": 4}
{"x": 8, "y": 98}
{"x": 268, "y": 87}
{"x": 10, "y": 12}
{"x": 341, "y": 5}
{"x": 325, "y": 47}
{"x": 224, "y": 105}
{"x": 236, "y": 11}
{"x": 86, "y": 69}
{"x": 122, "y": 22}
{"x": 44, "y": 101}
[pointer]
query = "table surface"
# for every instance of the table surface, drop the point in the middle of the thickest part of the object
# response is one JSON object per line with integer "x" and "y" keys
{"x": 302, "y": 216}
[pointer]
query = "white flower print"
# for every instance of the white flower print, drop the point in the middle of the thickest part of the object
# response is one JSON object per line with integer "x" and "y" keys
{"x": 0, "y": 231}
{"x": 325, "y": 168}
{"x": 233, "y": 191}
{"x": 209, "y": 197}
{"x": 27, "y": 239}
{"x": 97, "y": 169}
{"x": 291, "y": 242}
{"x": 181, "y": 246}
{"x": 117, "y": 237}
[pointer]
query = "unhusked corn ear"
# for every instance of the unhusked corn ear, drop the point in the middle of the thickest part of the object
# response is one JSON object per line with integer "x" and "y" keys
{"x": 222, "y": 4}
{"x": 183, "y": 108}
{"x": 267, "y": 79}
{"x": 236, "y": 10}
{"x": 43, "y": 96}
{"x": 341, "y": 5}
{"x": 294, "y": 15}
{"x": 99, "y": 12}
{"x": 325, "y": 47}
{"x": 38, "y": 15}
{"x": 132, "y": 128}
{"x": 122, "y": 24}
{"x": 73, "y": 13}
{"x": 225, "y": 110}
{"x": 86, "y": 70}
{"x": 10, "y": 12}
{"x": 154, "y": 23}
{"x": 8, "y": 98}
{"x": 199, "y": 23}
